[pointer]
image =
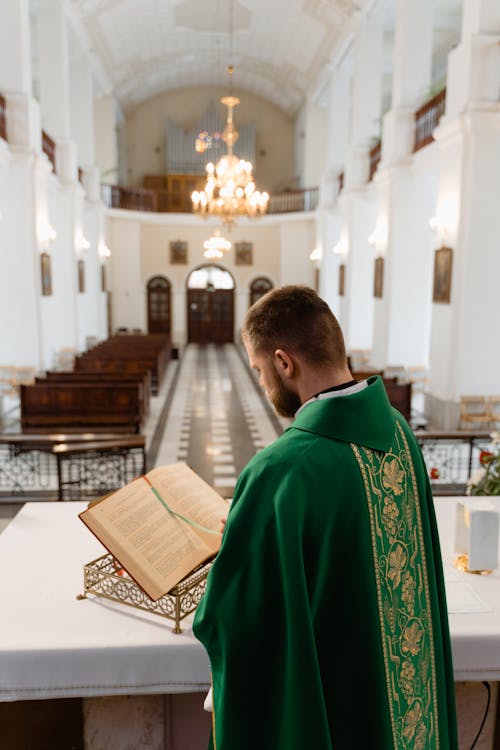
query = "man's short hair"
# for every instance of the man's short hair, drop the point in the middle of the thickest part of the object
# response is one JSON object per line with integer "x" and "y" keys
{"x": 296, "y": 319}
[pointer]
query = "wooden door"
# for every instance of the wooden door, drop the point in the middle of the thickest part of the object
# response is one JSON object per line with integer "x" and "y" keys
{"x": 258, "y": 288}
{"x": 210, "y": 315}
{"x": 159, "y": 305}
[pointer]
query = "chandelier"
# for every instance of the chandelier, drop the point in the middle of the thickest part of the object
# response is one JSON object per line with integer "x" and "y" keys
{"x": 230, "y": 189}
{"x": 215, "y": 246}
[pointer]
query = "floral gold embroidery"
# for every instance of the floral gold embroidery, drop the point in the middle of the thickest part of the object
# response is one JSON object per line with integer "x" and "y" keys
{"x": 393, "y": 477}
{"x": 390, "y": 514}
{"x": 406, "y": 678}
{"x": 403, "y": 593}
{"x": 397, "y": 562}
{"x": 408, "y": 593}
{"x": 412, "y": 637}
{"x": 412, "y": 720}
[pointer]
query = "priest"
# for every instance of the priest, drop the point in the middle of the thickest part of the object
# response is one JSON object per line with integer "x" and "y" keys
{"x": 324, "y": 615}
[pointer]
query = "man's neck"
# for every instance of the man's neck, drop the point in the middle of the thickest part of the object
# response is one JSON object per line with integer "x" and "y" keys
{"x": 315, "y": 383}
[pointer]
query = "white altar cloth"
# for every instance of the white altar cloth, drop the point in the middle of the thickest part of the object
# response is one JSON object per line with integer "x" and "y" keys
{"x": 53, "y": 646}
{"x": 475, "y": 636}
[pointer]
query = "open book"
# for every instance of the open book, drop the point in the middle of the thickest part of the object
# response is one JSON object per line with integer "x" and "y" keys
{"x": 159, "y": 527}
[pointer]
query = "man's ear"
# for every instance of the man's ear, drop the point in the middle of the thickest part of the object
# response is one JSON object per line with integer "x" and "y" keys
{"x": 284, "y": 363}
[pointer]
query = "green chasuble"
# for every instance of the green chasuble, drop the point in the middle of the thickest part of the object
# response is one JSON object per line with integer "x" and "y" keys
{"x": 325, "y": 616}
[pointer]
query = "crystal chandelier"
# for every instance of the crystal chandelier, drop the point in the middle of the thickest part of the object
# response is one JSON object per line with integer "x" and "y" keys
{"x": 215, "y": 246}
{"x": 230, "y": 190}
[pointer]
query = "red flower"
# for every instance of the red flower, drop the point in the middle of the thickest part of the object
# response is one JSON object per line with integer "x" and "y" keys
{"x": 434, "y": 473}
{"x": 486, "y": 457}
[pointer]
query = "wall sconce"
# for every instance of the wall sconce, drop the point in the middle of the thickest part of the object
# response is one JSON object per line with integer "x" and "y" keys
{"x": 378, "y": 239}
{"x": 316, "y": 255}
{"x": 104, "y": 252}
{"x": 439, "y": 228}
{"x": 341, "y": 248}
{"x": 81, "y": 242}
{"x": 46, "y": 236}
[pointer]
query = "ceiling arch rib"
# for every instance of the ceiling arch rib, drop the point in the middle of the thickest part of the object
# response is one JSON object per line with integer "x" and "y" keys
{"x": 286, "y": 87}
{"x": 154, "y": 45}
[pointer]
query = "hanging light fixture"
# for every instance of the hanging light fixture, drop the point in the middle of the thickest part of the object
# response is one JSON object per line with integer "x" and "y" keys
{"x": 216, "y": 246}
{"x": 230, "y": 189}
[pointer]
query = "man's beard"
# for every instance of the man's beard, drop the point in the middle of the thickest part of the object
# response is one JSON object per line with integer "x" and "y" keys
{"x": 285, "y": 401}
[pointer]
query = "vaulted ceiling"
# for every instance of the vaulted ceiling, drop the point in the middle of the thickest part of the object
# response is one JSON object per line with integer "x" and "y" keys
{"x": 278, "y": 47}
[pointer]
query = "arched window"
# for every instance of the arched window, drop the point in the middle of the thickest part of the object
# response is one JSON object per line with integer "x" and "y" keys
{"x": 259, "y": 287}
{"x": 158, "y": 291}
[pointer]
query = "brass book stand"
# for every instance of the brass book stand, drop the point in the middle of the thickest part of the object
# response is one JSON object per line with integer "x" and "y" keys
{"x": 104, "y": 577}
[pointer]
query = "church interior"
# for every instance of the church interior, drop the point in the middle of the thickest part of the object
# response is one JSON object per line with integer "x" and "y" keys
{"x": 163, "y": 165}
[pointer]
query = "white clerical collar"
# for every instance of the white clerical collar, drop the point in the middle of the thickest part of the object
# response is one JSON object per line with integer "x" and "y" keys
{"x": 335, "y": 394}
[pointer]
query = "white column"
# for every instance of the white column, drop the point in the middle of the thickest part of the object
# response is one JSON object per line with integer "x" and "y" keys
{"x": 54, "y": 84}
{"x": 465, "y": 358}
{"x": 402, "y": 316}
{"x": 366, "y": 101}
{"x": 412, "y": 75}
{"x": 356, "y": 202}
{"x": 337, "y": 135}
{"x": 404, "y": 204}
{"x": 23, "y": 116}
{"x": 82, "y": 123}
{"x": 329, "y": 219}
{"x": 358, "y": 210}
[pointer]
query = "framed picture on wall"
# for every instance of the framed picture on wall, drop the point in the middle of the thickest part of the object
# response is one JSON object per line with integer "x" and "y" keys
{"x": 178, "y": 253}
{"x": 378, "y": 278}
{"x": 243, "y": 253}
{"x": 441, "y": 290}
{"x": 46, "y": 274}
{"x": 81, "y": 276}
{"x": 341, "y": 279}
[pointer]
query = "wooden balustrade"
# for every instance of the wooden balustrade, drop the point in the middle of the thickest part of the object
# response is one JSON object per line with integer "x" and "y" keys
{"x": 3, "y": 118}
{"x": 375, "y": 156}
{"x": 49, "y": 149}
{"x": 145, "y": 199}
{"x": 427, "y": 118}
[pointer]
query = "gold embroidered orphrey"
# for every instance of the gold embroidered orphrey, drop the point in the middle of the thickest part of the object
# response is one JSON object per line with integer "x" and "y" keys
{"x": 403, "y": 594}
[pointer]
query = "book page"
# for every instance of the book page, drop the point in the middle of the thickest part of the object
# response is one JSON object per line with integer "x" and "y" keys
{"x": 155, "y": 548}
{"x": 187, "y": 493}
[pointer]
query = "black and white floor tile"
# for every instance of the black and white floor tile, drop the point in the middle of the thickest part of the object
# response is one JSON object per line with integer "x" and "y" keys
{"x": 217, "y": 419}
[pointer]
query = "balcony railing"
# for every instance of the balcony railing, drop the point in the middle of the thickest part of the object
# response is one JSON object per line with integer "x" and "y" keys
{"x": 451, "y": 458}
{"x": 3, "y": 118}
{"x": 375, "y": 156}
{"x": 427, "y": 118}
{"x": 293, "y": 200}
{"x": 49, "y": 149}
{"x": 144, "y": 199}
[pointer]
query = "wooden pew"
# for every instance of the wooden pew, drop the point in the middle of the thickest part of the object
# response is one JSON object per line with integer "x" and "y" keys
{"x": 98, "y": 376}
{"x": 81, "y": 406}
{"x": 129, "y": 351}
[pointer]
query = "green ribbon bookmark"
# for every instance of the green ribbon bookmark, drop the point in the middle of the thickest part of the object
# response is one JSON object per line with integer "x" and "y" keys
{"x": 179, "y": 515}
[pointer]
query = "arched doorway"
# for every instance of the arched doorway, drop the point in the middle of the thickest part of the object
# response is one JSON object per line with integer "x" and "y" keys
{"x": 259, "y": 287}
{"x": 158, "y": 305}
{"x": 210, "y": 305}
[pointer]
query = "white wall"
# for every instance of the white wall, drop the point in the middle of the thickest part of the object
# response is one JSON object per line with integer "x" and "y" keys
{"x": 139, "y": 245}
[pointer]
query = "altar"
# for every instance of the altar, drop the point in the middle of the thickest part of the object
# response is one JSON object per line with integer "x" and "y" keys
{"x": 53, "y": 645}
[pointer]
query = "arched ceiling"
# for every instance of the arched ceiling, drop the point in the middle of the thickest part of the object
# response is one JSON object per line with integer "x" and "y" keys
{"x": 279, "y": 47}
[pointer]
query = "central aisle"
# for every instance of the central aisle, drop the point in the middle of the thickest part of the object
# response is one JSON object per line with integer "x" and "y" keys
{"x": 218, "y": 417}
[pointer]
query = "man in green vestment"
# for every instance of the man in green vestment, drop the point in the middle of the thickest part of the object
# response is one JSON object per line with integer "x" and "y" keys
{"x": 325, "y": 616}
